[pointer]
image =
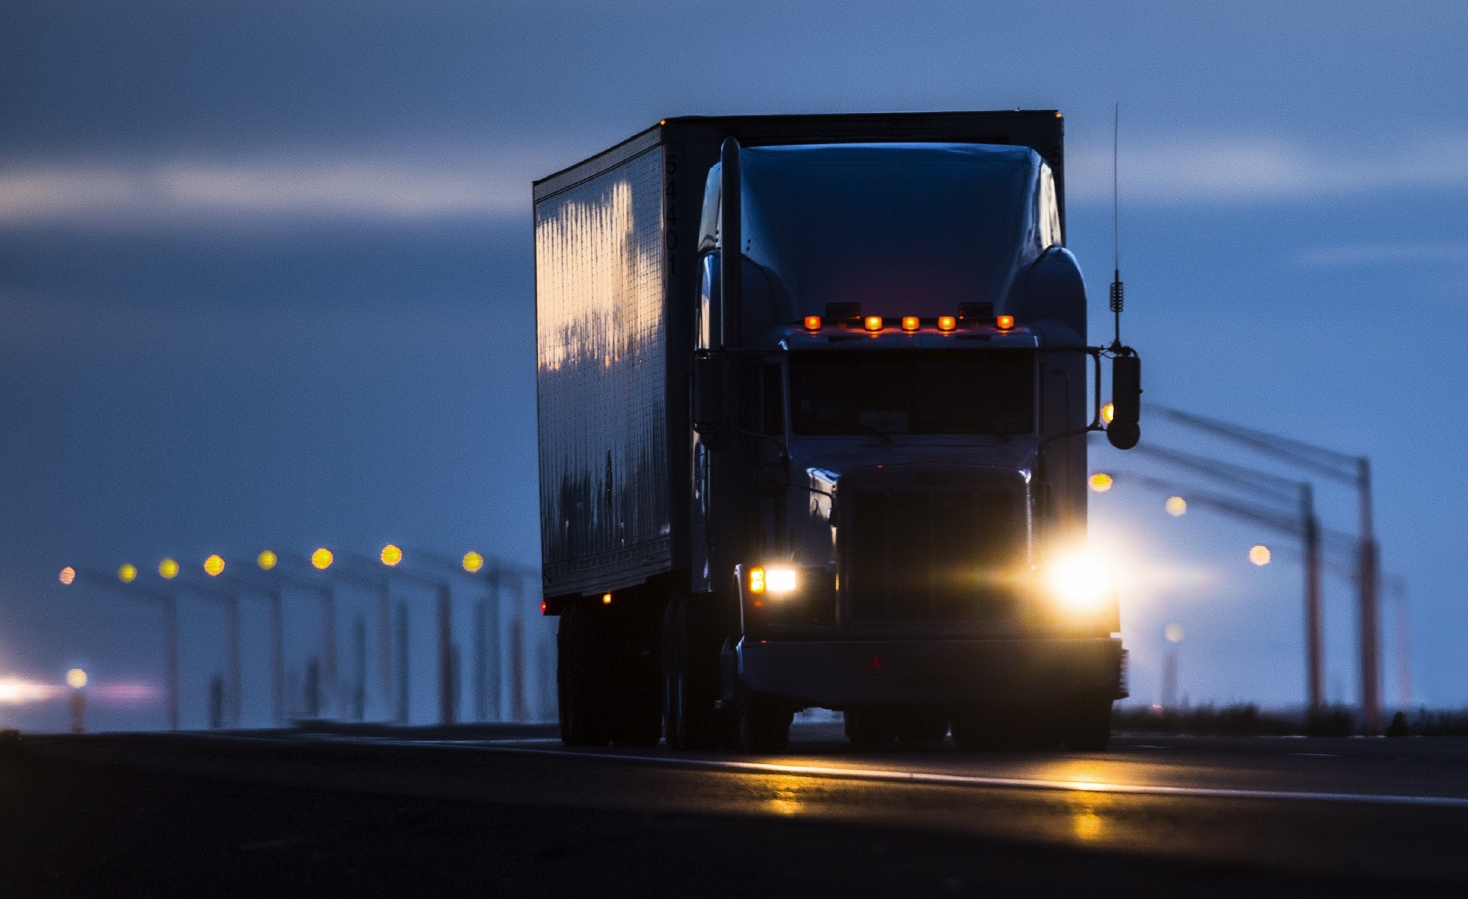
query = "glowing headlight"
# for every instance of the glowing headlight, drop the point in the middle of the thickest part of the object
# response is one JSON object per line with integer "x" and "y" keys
{"x": 780, "y": 580}
{"x": 1080, "y": 583}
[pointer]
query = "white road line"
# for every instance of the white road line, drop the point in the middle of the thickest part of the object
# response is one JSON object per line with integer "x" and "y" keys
{"x": 1013, "y": 783}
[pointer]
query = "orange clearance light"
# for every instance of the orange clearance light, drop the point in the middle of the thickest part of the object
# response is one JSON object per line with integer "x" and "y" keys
{"x": 947, "y": 323}
{"x": 542, "y": 607}
{"x": 1108, "y": 412}
{"x": 68, "y": 574}
{"x": 757, "y": 579}
{"x": 606, "y": 599}
{"x": 872, "y": 322}
{"x": 322, "y": 558}
{"x": 812, "y": 322}
{"x": 910, "y": 323}
{"x": 214, "y": 565}
{"x": 1004, "y": 322}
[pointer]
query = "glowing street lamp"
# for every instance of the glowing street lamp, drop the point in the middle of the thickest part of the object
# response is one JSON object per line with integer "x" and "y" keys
{"x": 473, "y": 562}
{"x": 168, "y": 569}
{"x": 321, "y": 559}
{"x": 267, "y": 560}
{"x": 214, "y": 566}
{"x": 1176, "y": 506}
{"x": 391, "y": 555}
{"x": 1259, "y": 554}
{"x": 127, "y": 573}
{"x": 76, "y": 678}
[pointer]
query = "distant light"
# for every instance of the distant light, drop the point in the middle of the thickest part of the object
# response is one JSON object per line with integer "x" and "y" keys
{"x": 1004, "y": 322}
{"x": 947, "y": 323}
{"x": 542, "y": 607}
{"x": 127, "y": 573}
{"x": 1101, "y": 482}
{"x": 812, "y": 322}
{"x": 1176, "y": 506}
{"x": 911, "y": 323}
{"x": 1173, "y": 633}
{"x": 322, "y": 558}
{"x": 1259, "y": 555}
{"x": 168, "y": 569}
{"x": 872, "y": 322}
{"x": 76, "y": 678}
{"x": 68, "y": 574}
{"x": 606, "y": 599}
{"x": 266, "y": 560}
{"x": 391, "y": 555}
{"x": 1108, "y": 412}
{"x": 214, "y": 566}
{"x": 473, "y": 561}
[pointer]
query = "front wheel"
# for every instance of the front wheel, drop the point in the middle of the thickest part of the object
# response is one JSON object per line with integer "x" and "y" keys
{"x": 764, "y": 722}
{"x": 1088, "y": 726}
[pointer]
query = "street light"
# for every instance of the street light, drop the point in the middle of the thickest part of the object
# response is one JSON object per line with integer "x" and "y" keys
{"x": 1342, "y": 468}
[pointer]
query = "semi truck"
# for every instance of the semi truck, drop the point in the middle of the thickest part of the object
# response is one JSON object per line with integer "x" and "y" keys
{"x": 814, "y": 394}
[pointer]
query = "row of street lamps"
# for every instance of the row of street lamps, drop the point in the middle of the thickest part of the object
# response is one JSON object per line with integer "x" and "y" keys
{"x": 271, "y": 575}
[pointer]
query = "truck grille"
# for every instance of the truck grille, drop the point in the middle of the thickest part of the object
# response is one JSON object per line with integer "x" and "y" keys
{"x": 948, "y": 554}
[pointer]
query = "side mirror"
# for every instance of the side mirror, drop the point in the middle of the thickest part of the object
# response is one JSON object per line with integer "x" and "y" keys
{"x": 1126, "y": 401}
{"x": 709, "y": 374}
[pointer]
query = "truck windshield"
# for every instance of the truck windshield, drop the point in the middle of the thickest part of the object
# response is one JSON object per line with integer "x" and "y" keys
{"x": 913, "y": 392}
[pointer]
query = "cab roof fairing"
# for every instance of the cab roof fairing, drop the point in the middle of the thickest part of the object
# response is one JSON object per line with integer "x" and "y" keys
{"x": 902, "y": 229}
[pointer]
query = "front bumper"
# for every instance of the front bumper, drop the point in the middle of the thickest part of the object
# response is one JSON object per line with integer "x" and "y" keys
{"x": 850, "y": 673}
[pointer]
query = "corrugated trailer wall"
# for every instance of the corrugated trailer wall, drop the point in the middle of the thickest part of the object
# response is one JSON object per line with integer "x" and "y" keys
{"x": 601, "y": 334}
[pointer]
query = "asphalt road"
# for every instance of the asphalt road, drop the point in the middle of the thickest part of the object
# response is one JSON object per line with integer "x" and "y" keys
{"x": 507, "y": 811}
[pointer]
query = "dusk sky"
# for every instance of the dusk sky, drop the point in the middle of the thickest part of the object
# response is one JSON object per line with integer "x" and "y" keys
{"x": 266, "y": 280}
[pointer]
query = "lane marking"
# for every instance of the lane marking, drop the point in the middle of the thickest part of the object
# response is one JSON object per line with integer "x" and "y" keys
{"x": 880, "y": 775}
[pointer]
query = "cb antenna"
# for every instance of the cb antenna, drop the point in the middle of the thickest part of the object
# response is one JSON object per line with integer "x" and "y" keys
{"x": 1117, "y": 288}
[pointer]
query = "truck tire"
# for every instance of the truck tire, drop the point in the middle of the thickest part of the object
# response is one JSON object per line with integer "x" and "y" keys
{"x": 691, "y": 677}
{"x": 1088, "y": 726}
{"x": 764, "y": 722}
{"x": 870, "y": 727}
{"x": 579, "y": 690}
{"x": 920, "y": 726}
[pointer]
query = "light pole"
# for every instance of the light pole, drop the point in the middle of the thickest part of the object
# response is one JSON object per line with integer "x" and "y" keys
{"x": 1343, "y": 468}
{"x": 269, "y": 562}
{"x": 230, "y": 599}
{"x": 123, "y": 583}
{"x": 273, "y": 595}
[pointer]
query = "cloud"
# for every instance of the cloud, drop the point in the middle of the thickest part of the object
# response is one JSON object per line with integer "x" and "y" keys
{"x": 388, "y": 188}
{"x": 1231, "y": 170}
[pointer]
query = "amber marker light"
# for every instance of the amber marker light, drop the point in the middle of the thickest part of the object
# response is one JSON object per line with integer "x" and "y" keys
{"x": 391, "y": 555}
{"x": 168, "y": 569}
{"x": 606, "y": 599}
{"x": 322, "y": 558}
{"x": 68, "y": 574}
{"x": 266, "y": 560}
{"x": 127, "y": 573}
{"x": 757, "y": 579}
{"x": 1004, "y": 322}
{"x": 812, "y": 322}
{"x": 1101, "y": 482}
{"x": 214, "y": 565}
{"x": 1108, "y": 412}
{"x": 910, "y": 323}
{"x": 872, "y": 322}
{"x": 473, "y": 561}
{"x": 947, "y": 323}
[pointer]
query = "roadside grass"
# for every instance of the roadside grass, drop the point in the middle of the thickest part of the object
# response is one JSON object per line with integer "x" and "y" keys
{"x": 1248, "y": 720}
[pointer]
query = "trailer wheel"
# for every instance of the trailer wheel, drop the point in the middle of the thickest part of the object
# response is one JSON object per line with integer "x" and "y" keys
{"x": 764, "y": 722}
{"x": 578, "y": 691}
{"x": 691, "y": 677}
{"x": 1088, "y": 726}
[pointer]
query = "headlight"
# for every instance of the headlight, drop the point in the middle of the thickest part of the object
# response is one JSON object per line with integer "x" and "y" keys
{"x": 1080, "y": 582}
{"x": 772, "y": 580}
